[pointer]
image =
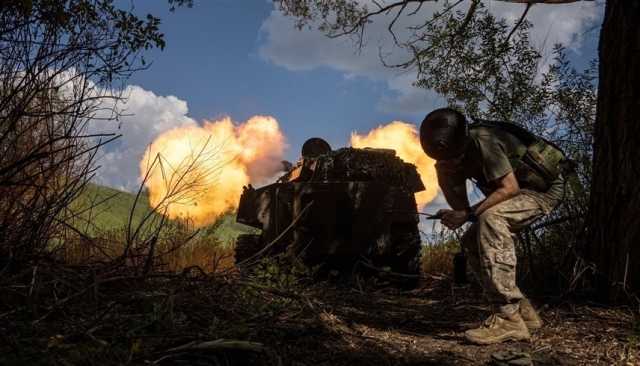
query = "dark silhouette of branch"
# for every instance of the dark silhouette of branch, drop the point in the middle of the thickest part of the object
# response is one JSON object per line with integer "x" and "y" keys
{"x": 518, "y": 23}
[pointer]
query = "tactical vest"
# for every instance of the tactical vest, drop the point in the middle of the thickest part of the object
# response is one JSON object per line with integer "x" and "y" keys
{"x": 539, "y": 163}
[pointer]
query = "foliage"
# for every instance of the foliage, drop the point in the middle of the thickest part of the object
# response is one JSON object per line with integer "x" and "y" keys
{"x": 276, "y": 272}
{"x": 178, "y": 3}
{"x": 481, "y": 72}
{"x": 494, "y": 74}
{"x": 61, "y": 63}
{"x": 334, "y": 17}
{"x": 437, "y": 257}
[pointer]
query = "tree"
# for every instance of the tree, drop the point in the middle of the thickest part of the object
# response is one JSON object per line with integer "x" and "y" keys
{"x": 614, "y": 223}
{"x": 613, "y": 226}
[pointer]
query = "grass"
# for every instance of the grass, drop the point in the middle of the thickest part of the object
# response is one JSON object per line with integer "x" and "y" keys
{"x": 226, "y": 229}
{"x": 102, "y": 215}
{"x": 104, "y": 209}
{"x": 437, "y": 258}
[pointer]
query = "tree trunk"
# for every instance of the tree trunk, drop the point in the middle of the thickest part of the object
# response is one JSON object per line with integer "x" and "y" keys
{"x": 614, "y": 220}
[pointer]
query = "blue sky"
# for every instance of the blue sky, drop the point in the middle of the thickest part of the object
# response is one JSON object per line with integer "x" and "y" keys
{"x": 242, "y": 58}
{"x": 212, "y": 61}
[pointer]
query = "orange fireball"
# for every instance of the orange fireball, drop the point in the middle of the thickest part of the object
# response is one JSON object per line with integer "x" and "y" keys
{"x": 404, "y": 139}
{"x": 198, "y": 172}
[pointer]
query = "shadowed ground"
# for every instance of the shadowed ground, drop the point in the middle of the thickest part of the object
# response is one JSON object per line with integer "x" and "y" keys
{"x": 125, "y": 320}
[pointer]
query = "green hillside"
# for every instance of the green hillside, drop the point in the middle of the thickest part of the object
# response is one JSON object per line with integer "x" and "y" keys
{"x": 103, "y": 209}
{"x": 226, "y": 229}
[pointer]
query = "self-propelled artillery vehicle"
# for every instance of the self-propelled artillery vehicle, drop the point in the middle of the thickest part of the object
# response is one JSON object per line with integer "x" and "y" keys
{"x": 337, "y": 209}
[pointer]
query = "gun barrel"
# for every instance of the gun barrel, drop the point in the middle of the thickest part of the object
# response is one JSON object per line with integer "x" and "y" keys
{"x": 431, "y": 216}
{"x": 428, "y": 215}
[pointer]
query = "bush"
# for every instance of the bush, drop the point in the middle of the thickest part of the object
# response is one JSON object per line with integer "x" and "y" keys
{"x": 437, "y": 258}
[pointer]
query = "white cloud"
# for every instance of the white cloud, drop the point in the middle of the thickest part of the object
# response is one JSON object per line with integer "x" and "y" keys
{"x": 308, "y": 49}
{"x": 142, "y": 115}
{"x": 408, "y": 99}
{"x": 145, "y": 115}
{"x": 564, "y": 23}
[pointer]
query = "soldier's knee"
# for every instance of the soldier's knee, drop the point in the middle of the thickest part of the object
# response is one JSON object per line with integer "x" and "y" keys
{"x": 489, "y": 216}
{"x": 486, "y": 217}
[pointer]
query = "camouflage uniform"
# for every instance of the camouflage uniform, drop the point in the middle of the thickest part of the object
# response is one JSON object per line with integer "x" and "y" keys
{"x": 490, "y": 242}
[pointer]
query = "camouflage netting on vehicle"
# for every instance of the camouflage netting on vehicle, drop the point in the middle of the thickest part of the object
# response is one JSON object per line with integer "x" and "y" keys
{"x": 379, "y": 165}
{"x": 364, "y": 165}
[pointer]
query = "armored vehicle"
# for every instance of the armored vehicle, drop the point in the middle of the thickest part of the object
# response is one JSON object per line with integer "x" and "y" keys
{"x": 337, "y": 209}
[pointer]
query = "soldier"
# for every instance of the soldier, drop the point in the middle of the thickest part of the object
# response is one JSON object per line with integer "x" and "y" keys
{"x": 517, "y": 192}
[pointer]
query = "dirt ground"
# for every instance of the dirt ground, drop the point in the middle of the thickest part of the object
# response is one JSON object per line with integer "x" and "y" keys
{"x": 425, "y": 327}
{"x": 172, "y": 321}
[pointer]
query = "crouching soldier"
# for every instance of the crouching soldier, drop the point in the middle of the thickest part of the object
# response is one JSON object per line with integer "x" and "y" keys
{"x": 519, "y": 175}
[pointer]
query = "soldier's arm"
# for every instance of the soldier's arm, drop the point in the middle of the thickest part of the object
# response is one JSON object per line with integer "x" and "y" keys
{"x": 508, "y": 187}
{"x": 454, "y": 187}
{"x": 497, "y": 170}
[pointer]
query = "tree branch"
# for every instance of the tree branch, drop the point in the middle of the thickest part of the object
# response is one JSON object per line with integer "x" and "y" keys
{"x": 518, "y": 23}
{"x": 541, "y": 1}
{"x": 467, "y": 19}
{"x": 365, "y": 18}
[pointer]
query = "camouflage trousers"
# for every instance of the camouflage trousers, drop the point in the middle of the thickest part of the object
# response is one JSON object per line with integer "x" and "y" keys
{"x": 489, "y": 244}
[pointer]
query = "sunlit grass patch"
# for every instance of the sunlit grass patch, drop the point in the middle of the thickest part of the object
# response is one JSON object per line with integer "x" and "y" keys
{"x": 437, "y": 257}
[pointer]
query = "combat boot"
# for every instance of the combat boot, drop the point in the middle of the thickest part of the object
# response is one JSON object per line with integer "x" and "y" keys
{"x": 499, "y": 328}
{"x": 530, "y": 315}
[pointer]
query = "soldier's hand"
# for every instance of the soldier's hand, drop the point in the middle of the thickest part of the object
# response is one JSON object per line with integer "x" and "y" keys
{"x": 453, "y": 219}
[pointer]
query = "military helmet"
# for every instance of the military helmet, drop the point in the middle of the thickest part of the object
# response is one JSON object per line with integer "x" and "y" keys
{"x": 444, "y": 134}
{"x": 314, "y": 147}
